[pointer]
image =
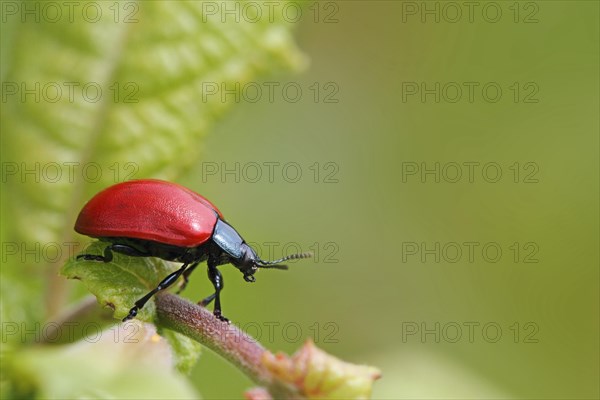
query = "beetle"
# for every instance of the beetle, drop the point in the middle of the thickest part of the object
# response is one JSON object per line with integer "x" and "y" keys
{"x": 155, "y": 218}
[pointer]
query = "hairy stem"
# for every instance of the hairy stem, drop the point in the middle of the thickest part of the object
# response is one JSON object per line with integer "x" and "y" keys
{"x": 225, "y": 339}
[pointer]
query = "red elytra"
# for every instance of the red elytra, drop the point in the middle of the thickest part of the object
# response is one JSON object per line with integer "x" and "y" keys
{"x": 153, "y": 218}
{"x": 150, "y": 209}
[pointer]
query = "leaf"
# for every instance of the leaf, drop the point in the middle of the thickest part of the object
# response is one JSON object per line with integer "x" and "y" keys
{"x": 128, "y": 361}
{"x": 319, "y": 375}
{"x": 133, "y": 103}
{"x": 185, "y": 350}
{"x": 258, "y": 393}
{"x": 144, "y": 115}
{"x": 120, "y": 283}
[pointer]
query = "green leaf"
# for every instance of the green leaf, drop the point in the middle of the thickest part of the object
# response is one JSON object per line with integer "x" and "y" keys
{"x": 318, "y": 375}
{"x": 127, "y": 361}
{"x": 185, "y": 350}
{"x": 144, "y": 113}
{"x": 119, "y": 283}
{"x": 148, "y": 121}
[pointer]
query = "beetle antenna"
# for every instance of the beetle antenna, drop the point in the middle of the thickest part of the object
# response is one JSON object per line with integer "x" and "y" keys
{"x": 273, "y": 264}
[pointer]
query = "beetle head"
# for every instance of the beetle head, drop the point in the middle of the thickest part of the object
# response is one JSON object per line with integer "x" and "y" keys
{"x": 250, "y": 262}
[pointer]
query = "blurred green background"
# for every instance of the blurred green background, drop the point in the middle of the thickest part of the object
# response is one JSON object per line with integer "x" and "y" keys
{"x": 376, "y": 294}
{"x": 371, "y": 133}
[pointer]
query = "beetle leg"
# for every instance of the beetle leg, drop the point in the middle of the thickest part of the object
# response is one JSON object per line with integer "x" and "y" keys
{"x": 206, "y": 301}
{"x": 165, "y": 283}
{"x": 185, "y": 276}
{"x": 127, "y": 250}
{"x": 91, "y": 257}
{"x": 108, "y": 255}
{"x": 217, "y": 280}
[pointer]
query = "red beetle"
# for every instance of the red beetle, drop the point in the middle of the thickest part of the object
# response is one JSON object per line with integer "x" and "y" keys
{"x": 154, "y": 218}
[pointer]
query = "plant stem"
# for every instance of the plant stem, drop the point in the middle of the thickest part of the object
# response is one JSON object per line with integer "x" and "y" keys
{"x": 223, "y": 338}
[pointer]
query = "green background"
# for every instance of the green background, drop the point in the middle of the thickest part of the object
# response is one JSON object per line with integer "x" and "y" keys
{"x": 369, "y": 133}
{"x": 365, "y": 213}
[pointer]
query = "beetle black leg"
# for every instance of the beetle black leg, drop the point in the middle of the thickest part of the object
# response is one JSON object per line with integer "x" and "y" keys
{"x": 217, "y": 280}
{"x": 128, "y": 250}
{"x": 108, "y": 255}
{"x": 206, "y": 301}
{"x": 165, "y": 283}
{"x": 185, "y": 276}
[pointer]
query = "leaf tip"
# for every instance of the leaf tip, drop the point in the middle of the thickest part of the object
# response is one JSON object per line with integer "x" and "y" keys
{"x": 318, "y": 374}
{"x": 257, "y": 393}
